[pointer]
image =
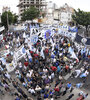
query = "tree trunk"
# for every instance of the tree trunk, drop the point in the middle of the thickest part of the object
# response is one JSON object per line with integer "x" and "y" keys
{"x": 86, "y": 30}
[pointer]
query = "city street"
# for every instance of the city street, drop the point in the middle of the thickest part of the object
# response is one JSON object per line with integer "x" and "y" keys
{"x": 44, "y": 49}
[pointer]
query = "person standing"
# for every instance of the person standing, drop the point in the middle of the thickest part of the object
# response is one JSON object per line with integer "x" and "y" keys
{"x": 70, "y": 96}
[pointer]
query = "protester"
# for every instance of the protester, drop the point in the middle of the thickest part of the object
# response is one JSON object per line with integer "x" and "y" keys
{"x": 42, "y": 64}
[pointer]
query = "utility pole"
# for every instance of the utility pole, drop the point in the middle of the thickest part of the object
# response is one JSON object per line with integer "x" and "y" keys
{"x": 58, "y": 16}
{"x": 7, "y": 21}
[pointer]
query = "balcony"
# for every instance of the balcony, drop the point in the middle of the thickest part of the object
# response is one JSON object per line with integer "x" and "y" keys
{"x": 32, "y": 3}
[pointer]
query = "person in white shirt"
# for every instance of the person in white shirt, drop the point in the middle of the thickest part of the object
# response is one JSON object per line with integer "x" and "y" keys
{"x": 85, "y": 74}
{"x": 31, "y": 90}
{"x": 29, "y": 74}
{"x": 37, "y": 88}
{"x": 52, "y": 75}
{"x": 17, "y": 72}
{"x": 44, "y": 76}
{"x": 20, "y": 66}
{"x": 45, "y": 70}
{"x": 8, "y": 75}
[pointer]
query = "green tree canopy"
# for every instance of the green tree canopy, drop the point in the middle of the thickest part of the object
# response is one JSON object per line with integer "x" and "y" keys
{"x": 82, "y": 18}
{"x": 15, "y": 18}
{"x": 30, "y": 14}
{"x": 8, "y": 18}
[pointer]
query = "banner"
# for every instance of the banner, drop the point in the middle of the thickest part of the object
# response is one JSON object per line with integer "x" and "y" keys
{"x": 33, "y": 39}
{"x": 67, "y": 34}
{"x": 34, "y": 31}
{"x": 1, "y": 37}
{"x": 4, "y": 53}
{"x": 73, "y": 29}
{"x": 2, "y": 28}
{"x": 47, "y": 34}
{"x": 63, "y": 28}
{"x": 73, "y": 55}
{"x": 19, "y": 53}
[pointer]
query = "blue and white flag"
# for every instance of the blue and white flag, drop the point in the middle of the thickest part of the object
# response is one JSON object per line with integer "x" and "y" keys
{"x": 73, "y": 29}
{"x": 47, "y": 34}
{"x": 73, "y": 55}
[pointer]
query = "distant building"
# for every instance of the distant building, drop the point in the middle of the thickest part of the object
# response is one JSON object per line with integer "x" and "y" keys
{"x": 64, "y": 14}
{"x": 50, "y": 11}
{"x": 5, "y": 9}
{"x": 56, "y": 14}
{"x": 25, "y": 4}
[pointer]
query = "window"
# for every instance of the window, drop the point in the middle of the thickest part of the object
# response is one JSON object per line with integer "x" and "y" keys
{"x": 32, "y": 2}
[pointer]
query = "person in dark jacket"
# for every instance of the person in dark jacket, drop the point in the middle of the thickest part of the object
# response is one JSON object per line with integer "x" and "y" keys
{"x": 64, "y": 92}
{"x": 70, "y": 96}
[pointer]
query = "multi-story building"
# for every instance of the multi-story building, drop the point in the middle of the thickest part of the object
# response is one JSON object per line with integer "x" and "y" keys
{"x": 64, "y": 14}
{"x": 49, "y": 13}
{"x": 56, "y": 14}
{"x": 5, "y": 9}
{"x": 25, "y": 4}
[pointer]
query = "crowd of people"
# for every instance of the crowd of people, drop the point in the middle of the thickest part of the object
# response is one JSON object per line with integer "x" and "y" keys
{"x": 41, "y": 72}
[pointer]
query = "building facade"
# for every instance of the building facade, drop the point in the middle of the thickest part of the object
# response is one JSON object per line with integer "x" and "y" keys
{"x": 64, "y": 14}
{"x": 49, "y": 12}
{"x": 25, "y": 4}
{"x": 56, "y": 14}
{"x": 5, "y": 9}
{"x": 65, "y": 17}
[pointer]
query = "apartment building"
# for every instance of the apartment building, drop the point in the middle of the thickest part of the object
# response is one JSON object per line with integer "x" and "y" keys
{"x": 25, "y": 4}
{"x": 64, "y": 14}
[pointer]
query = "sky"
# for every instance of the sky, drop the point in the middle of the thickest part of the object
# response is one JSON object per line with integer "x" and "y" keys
{"x": 82, "y": 4}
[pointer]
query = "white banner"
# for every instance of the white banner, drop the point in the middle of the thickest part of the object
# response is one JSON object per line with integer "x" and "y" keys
{"x": 1, "y": 37}
{"x": 4, "y": 53}
{"x": 67, "y": 34}
{"x": 19, "y": 53}
{"x": 2, "y": 28}
{"x": 34, "y": 31}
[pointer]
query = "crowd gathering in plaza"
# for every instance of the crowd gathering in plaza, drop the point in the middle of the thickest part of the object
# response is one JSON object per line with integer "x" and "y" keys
{"x": 42, "y": 70}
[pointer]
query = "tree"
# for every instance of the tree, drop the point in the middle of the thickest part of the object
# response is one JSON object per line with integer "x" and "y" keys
{"x": 30, "y": 14}
{"x": 15, "y": 18}
{"x": 8, "y": 18}
{"x": 82, "y": 18}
